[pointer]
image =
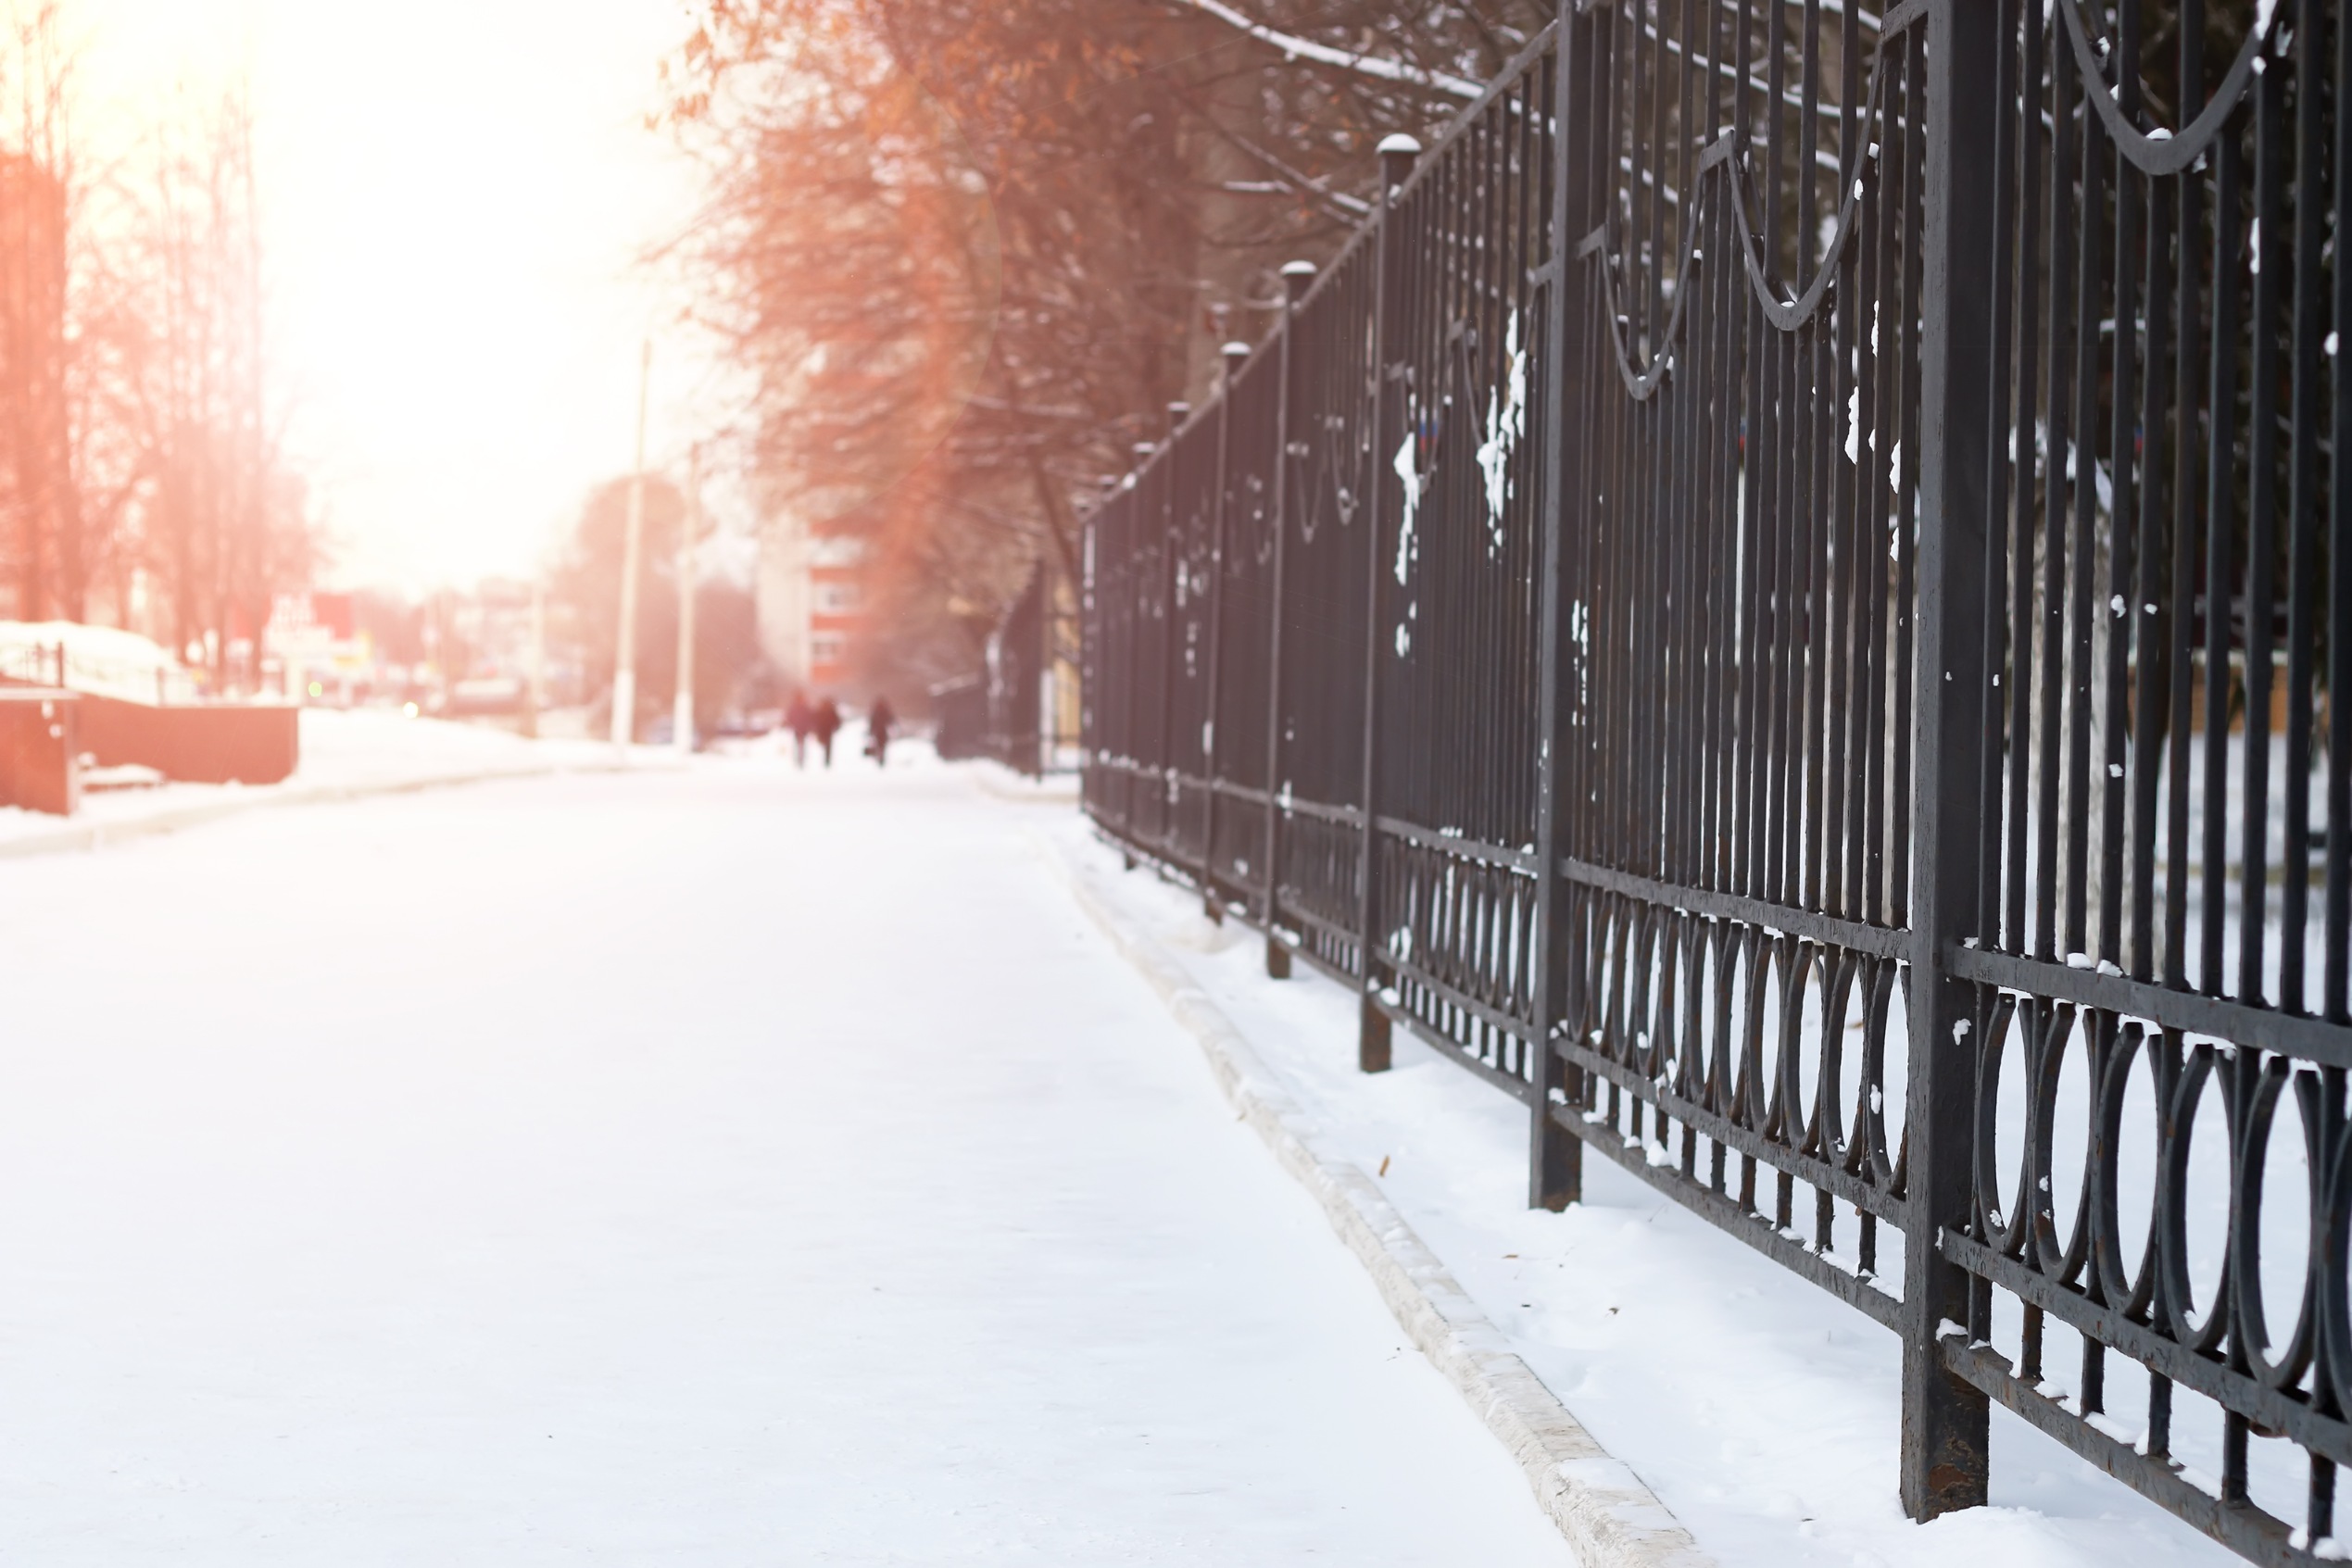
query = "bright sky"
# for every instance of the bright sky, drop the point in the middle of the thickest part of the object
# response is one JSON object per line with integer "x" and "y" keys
{"x": 455, "y": 193}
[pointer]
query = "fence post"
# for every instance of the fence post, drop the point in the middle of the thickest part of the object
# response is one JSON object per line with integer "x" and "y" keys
{"x": 1235, "y": 356}
{"x": 1945, "y": 1419}
{"x": 1555, "y": 1156}
{"x": 1296, "y": 275}
{"x": 1397, "y": 153}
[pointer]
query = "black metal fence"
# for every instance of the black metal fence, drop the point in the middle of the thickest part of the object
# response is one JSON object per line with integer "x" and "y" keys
{"x": 1018, "y": 657}
{"x": 1014, "y": 708}
{"x": 1798, "y": 563}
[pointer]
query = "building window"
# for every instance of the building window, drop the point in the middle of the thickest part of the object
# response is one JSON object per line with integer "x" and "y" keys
{"x": 837, "y": 598}
{"x": 825, "y": 647}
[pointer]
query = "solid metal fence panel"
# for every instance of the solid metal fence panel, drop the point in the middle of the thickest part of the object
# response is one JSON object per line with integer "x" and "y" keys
{"x": 1806, "y": 557}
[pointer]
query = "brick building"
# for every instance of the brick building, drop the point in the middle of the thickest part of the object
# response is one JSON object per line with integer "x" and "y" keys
{"x": 811, "y": 599}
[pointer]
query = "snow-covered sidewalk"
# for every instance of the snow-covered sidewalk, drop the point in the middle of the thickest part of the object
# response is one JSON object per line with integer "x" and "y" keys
{"x": 719, "y": 1165}
{"x": 1760, "y": 1410}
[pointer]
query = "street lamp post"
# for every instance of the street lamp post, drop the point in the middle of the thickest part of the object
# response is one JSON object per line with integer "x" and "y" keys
{"x": 689, "y": 534}
{"x": 624, "y": 674}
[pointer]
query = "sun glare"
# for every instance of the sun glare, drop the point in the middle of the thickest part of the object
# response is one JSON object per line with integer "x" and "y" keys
{"x": 454, "y": 197}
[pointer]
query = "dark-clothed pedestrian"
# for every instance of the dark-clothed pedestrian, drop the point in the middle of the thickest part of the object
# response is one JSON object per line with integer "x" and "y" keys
{"x": 877, "y": 731}
{"x": 825, "y": 724}
{"x": 800, "y": 717}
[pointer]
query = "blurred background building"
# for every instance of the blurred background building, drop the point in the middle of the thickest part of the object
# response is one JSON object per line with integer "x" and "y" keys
{"x": 813, "y": 607}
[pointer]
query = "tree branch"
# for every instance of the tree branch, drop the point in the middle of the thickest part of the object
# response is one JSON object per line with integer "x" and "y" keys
{"x": 1299, "y": 48}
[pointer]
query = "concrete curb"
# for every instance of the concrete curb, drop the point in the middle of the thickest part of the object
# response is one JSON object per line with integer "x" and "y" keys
{"x": 998, "y": 782}
{"x": 97, "y": 835}
{"x": 1609, "y": 1517}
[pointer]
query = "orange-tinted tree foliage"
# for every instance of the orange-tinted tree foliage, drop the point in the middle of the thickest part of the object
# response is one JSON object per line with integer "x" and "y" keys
{"x": 969, "y": 250}
{"x": 142, "y": 480}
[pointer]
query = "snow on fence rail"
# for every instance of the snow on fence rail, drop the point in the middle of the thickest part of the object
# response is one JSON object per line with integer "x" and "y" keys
{"x": 1702, "y": 582}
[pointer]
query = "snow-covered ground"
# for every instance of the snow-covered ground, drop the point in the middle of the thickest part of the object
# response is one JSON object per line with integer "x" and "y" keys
{"x": 722, "y": 1165}
{"x": 1763, "y": 1412}
{"x": 728, "y": 1162}
{"x": 341, "y": 751}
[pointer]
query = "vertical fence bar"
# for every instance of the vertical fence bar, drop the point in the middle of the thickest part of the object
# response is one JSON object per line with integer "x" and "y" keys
{"x": 1396, "y": 154}
{"x": 1945, "y": 1419}
{"x": 1296, "y": 275}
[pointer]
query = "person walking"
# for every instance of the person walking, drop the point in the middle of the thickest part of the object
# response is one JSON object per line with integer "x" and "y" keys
{"x": 825, "y": 724}
{"x": 877, "y": 731}
{"x": 799, "y": 719}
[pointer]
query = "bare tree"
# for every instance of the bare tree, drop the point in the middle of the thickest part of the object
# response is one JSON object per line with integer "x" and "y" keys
{"x": 1143, "y": 170}
{"x": 224, "y": 525}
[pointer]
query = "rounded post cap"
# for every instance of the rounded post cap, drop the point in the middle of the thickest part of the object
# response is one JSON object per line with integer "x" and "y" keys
{"x": 1178, "y": 414}
{"x": 1398, "y": 144}
{"x": 1145, "y": 448}
{"x": 1236, "y": 350}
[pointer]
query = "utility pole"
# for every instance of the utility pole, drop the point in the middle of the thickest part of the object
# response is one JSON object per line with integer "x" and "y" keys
{"x": 689, "y": 534}
{"x": 624, "y": 674}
